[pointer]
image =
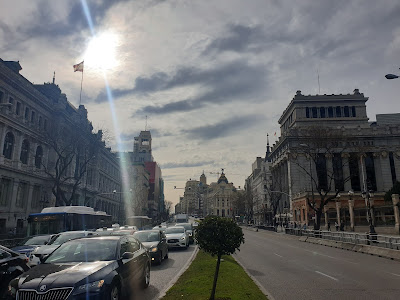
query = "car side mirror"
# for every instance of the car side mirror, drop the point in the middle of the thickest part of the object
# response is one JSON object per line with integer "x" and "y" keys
{"x": 43, "y": 258}
{"x": 127, "y": 255}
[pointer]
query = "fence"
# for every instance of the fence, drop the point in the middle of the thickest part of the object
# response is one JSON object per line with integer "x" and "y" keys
{"x": 384, "y": 241}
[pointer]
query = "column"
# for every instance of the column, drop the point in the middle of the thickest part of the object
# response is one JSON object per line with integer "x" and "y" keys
{"x": 378, "y": 171}
{"x": 329, "y": 171}
{"x": 346, "y": 171}
{"x": 385, "y": 172}
{"x": 13, "y": 199}
{"x": 338, "y": 205}
{"x": 395, "y": 200}
{"x": 29, "y": 201}
{"x": 2, "y": 137}
{"x": 396, "y": 158}
{"x": 326, "y": 217}
{"x": 351, "y": 212}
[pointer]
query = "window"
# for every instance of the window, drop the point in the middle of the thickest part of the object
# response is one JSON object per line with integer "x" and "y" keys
{"x": 24, "y": 152}
{"x": 38, "y": 157}
{"x": 322, "y": 172}
{"x": 314, "y": 112}
{"x": 353, "y": 111}
{"x": 354, "y": 172}
{"x": 5, "y": 190}
{"x": 22, "y": 194}
{"x": 307, "y": 112}
{"x": 26, "y": 113}
{"x": 35, "y": 196}
{"x": 392, "y": 167}
{"x": 346, "y": 111}
{"x": 33, "y": 116}
{"x": 338, "y": 111}
{"x": 322, "y": 112}
{"x": 8, "y": 145}
{"x": 330, "y": 112}
{"x": 337, "y": 164}
{"x": 18, "y": 109}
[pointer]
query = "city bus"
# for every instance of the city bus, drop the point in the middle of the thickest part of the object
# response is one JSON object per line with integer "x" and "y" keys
{"x": 141, "y": 222}
{"x": 67, "y": 218}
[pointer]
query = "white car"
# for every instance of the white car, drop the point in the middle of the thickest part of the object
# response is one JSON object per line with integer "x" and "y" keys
{"x": 177, "y": 237}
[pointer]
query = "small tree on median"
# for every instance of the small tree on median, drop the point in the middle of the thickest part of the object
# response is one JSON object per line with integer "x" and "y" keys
{"x": 218, "y": 236}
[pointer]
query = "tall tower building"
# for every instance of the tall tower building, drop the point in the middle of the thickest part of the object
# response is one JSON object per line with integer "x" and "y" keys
{"x": 142, "y": 147}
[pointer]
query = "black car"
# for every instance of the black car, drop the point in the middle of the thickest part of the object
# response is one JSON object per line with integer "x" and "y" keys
{"x": 156, "y": 242}
{"x": 89, "y": 268}
{"x": 12, "y": 264}
{"x": 31, "y": 243}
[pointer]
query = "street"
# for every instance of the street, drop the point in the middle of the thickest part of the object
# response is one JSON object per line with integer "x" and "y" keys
{"x": 290, "y": 269}
{"x": 162, "y": 275}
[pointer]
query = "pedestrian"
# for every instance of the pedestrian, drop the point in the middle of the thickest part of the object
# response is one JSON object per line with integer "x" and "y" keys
{"x": 337, "y": 226}
{"x": 329, "y": 226}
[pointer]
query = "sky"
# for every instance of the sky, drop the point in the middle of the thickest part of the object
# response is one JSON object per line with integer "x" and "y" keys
{"x": 212, "y": 76}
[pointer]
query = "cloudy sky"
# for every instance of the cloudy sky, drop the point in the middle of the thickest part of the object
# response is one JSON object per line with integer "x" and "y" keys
{"x": 212, "y": 76}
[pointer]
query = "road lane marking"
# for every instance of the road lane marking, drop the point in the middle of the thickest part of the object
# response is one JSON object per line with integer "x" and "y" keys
{"x": 395, "y": 274}
{"x": 278, "y": 255}
{"x": 327, "y": 275}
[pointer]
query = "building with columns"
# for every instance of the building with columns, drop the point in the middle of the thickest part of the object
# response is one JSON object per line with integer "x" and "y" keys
{"x": 366, "y": 158}
{"x": 27, "y": 113}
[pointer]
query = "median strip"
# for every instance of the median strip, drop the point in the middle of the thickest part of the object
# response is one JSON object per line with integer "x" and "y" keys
{"x": 196, "y": 282}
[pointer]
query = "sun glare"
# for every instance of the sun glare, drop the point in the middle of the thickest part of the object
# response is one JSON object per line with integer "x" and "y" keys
{"x": 101, "y": 52}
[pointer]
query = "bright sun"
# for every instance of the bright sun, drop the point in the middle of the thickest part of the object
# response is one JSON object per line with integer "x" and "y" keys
{"x": 101, "y": 51}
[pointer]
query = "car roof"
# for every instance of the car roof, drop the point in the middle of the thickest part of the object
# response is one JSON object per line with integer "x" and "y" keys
{"x": 149, "y": 230}
{"x": 96, "y": 237}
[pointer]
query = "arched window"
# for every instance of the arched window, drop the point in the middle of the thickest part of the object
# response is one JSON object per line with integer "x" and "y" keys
{"x": 8, "y": 145}
{"x": 24, "y": 152}
{"x": 38, "y": 157}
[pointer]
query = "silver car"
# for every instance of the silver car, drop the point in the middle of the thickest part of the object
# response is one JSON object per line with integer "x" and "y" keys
{"x": 177, "y": 237}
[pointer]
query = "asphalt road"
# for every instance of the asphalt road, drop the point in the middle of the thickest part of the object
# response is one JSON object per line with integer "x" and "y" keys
{"x": 289, "y": 269}
{"x": 162, "y": 275}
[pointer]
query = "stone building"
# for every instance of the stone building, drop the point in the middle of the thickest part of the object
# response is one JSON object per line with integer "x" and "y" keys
{"x": 28, "y": 112}
{"x": 364, "y": 159}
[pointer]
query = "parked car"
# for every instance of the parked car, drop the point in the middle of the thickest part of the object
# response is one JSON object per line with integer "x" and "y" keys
{"x": 54, "y": 243}
{"x": 177, "y": 237}
{"x": 32, "y": 243}
{"x": 160, "y": 227}
{"x": 156, "y": 242}
{"x": 107, "y": 267}
{"x": 189, "y": 229}
{"x": 12, "y": 264}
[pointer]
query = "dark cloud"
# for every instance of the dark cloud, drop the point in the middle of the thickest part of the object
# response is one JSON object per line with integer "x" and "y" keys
{"x": 174, "y": 165}
{"x": 230, "y": 82}
{"x": 225, "y": 128}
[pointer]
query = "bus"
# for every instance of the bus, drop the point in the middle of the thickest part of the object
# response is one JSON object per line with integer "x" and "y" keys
{"x": 54, "y": 220}
{"x": 141, "y": 222}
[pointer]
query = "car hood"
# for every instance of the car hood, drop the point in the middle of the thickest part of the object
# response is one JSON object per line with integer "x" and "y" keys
{"x": 60, "y": 275}
{"x": 46, "y": 249}
{"x": 150, "y": 245}
{"x": 175, "y": 235}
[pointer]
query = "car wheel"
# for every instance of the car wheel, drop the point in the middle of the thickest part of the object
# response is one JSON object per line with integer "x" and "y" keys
{"x": 114, "y": 292}
{"x": 146, "y": 277}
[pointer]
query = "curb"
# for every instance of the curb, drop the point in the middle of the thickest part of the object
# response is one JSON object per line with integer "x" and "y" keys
{"x": 175, "y": 279}
{"x": 262, "y": 289}
{"x": 366, "y": 249}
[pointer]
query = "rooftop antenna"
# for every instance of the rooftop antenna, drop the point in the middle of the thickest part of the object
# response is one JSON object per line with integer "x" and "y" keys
{"x": 54, "y": 77}
{"x": 145, "y": 128}
{"x": 319, "y": 87}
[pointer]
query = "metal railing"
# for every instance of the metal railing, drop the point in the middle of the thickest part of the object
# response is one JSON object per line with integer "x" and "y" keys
{"x": 384, "y": 241}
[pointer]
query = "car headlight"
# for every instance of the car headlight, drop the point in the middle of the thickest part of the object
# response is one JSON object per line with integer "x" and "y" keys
{"x": 154, "y": 249}
{"x": 190, "y": 234}
{"x": 183, "y": 238}
{"x": 92, "y": 286}
{"x": 12, "y": 290}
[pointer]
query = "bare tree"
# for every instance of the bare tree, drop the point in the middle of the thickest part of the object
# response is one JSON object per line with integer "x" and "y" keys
{"x": 71, "y": 150}
{"x": 319, "y": 143}
{"x": 275, "y": 193}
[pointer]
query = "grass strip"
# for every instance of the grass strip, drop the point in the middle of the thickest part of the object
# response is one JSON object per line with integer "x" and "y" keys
{"x": 196, "y": 282}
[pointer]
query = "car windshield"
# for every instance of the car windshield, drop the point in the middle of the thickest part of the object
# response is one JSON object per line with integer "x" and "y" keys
{"x": 175, "y": 230}
{"x": 186, "y": 226}
{"x": 37, "y": 240}
{"x": 147, "y": 236}
{"x": 62, "y": 238}
{"x": 85, "y": 250}
{"x": 121, "y": 232}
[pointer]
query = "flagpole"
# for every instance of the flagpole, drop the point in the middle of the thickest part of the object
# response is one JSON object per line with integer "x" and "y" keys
{"x": 80, "y": 95}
